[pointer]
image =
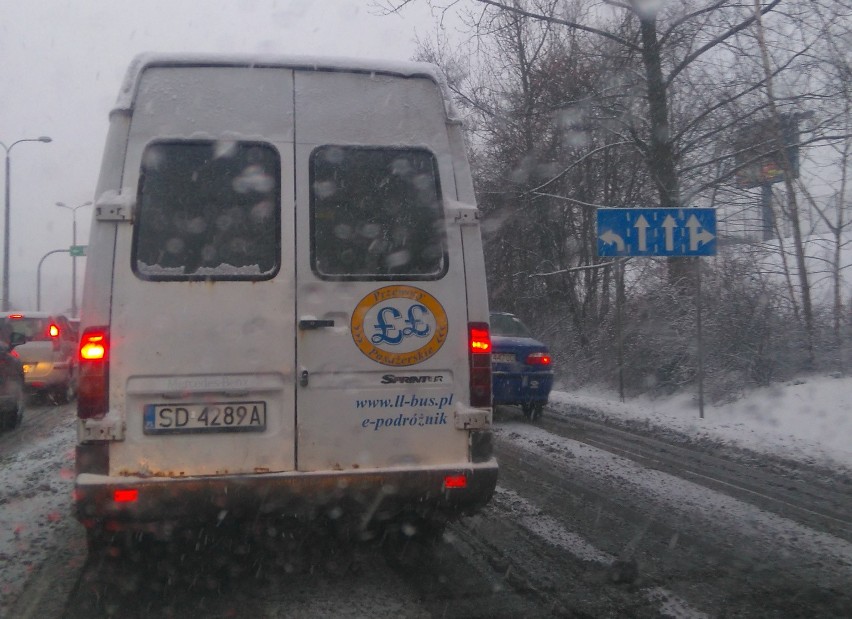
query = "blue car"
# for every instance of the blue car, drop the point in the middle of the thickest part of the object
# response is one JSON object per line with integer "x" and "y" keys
{"x": 521, "y": 367}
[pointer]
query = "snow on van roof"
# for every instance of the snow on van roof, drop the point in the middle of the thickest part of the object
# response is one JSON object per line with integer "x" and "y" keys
{"x": 311, "y": 63}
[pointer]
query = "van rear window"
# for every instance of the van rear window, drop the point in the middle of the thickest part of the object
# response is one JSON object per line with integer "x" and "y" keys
{"x": 208, "y": 211}
{"x": 376, "y": 214}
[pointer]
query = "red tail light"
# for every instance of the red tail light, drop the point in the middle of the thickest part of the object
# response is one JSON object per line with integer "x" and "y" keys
{"x": 53, "y": 334}
{"x": 92, "y": 393}
{"x": 480, "y": 338}
{"x": 479, "y": 356}
{"x": 538, "y": 358}
{"x": 455, "y": 481}
{"x": 125, "y": 495}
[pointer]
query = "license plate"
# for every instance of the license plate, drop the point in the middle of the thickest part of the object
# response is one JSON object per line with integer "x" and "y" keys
{"x": 204, "y": 417}
{"x": 503, "y": 357}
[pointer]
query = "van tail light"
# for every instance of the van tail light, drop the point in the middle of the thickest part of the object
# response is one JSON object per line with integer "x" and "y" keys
{"x": 455, "y": 481}
{"x": 93, "y": 379}
{"x": 538, "y": 358}
{"x": 479, "y": 356}
{"x": 125, "y": 495}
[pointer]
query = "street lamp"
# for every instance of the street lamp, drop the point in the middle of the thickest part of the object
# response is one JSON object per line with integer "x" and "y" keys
{"x": 73, "y": 210}
{"x": 8, "y": 149}
{"x": 38, "y": 274}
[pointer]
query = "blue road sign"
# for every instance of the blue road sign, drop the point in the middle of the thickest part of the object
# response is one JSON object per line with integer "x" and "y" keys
{"x": 656, "y": 231}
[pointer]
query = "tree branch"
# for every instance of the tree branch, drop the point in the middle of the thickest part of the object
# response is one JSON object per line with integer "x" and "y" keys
{"x": 564, "y": 22}
{"x": 715, "y": 41}
{"x": 678, "y": 22}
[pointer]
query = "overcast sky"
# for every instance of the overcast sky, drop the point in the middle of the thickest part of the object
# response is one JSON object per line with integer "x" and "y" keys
{"x": 61, "y": 66}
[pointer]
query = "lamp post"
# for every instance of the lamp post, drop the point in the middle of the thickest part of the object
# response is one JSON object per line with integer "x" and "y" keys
{"x": 38, "y": 274}
{"x": 6, "y": 216}
{"x": 73, "y": 210}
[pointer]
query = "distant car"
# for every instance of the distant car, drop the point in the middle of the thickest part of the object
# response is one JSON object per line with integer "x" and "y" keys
{"x": 49, "y": 353}
{"x": 521, "y": 366}
{"x": 11, "y": 383}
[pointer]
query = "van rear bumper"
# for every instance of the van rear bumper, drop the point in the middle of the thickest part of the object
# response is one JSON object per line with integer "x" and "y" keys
{"x": 367, "y": 495}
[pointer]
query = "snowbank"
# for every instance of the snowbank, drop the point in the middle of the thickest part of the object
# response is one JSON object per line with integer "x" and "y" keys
{"x": 807, "y": 420}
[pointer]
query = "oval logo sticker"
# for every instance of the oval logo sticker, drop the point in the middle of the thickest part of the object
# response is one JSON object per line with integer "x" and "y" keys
{"x": 399, "y": 325}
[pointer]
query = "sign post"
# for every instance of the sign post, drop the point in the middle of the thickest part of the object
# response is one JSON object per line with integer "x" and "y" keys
{"x": 669, "y": 232}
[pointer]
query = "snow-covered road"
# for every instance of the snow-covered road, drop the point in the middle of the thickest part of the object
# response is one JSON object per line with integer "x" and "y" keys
{"x": 574, "y": 528}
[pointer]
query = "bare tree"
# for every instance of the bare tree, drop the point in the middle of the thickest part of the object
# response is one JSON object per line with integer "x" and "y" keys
{"x": 547, "y": 152}
{"x": 578, "y": 104}
{"x": 834, "y": 29}
{"x": 792, "y": 209}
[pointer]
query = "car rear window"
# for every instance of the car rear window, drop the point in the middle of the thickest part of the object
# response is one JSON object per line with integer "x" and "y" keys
{"x": 509, "y": 326}
{"x": 376, "y": 214}
{"x": 208, "y": 211}
{"x": 35, "y": 329}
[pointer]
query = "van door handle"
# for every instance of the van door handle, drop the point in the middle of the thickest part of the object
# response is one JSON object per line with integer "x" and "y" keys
{"x": 305, "y": 325}
{"x": 303, "y": 378}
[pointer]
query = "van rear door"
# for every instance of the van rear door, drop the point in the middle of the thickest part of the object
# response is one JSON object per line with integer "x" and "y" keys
{"x": 381, "y": 302}
{"x": 202, "y": 357}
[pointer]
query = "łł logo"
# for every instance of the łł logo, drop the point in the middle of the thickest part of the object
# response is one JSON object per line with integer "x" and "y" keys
{"x": 399, "y": 325}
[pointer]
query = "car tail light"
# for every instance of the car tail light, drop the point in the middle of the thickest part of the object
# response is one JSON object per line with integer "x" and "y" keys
{"x": 479, "y": 356}
{"x": 538, "y": 358}
{"x": 92, "y": 394}
{"x": 53, "y": 334}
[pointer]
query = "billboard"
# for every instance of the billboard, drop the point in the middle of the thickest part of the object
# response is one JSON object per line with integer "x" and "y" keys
{"x": 759, "y": 155}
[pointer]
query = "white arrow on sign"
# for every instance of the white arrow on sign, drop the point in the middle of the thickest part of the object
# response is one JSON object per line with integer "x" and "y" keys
{"x": 641, "y": 226}
{"x": 670, "y": 224}
{"x": 609, "y": 237}
{"x": 696, "y": 238}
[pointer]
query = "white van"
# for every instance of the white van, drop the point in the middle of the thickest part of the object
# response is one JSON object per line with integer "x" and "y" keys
{"x": 285, "y": 308}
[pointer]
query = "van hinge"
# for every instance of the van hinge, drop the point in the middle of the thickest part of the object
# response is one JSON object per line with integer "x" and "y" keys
{"x": 468, "y": 418}
{"x": 115, "y": 205}
{"x": 464, "y": 214}
{"x": 105, "y": 429}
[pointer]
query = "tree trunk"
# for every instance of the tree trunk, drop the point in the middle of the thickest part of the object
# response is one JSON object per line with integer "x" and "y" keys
{"x": 661, "y": 158}
{"x": 792, "y": 205}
